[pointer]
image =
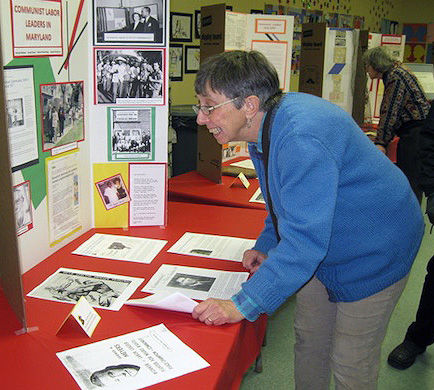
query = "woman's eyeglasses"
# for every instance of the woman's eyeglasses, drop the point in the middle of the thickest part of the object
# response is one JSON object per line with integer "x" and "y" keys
{"x": 206, "y": 110}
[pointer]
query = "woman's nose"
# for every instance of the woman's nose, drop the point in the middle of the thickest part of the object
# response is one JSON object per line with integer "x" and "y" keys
{"x": 201, "y": 118}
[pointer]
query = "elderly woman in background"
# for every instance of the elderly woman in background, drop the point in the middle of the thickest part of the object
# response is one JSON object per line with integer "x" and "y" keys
{"x": 402, "y": 113}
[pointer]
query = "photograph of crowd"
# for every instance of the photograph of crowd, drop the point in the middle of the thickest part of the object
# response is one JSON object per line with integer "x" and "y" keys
{"x": 113, "y": 191}
{"x": 129, "y": 76}
{"x": 131, "y": 131}
{"x": 62, "y": 114}
{"x": 129, "y": 23}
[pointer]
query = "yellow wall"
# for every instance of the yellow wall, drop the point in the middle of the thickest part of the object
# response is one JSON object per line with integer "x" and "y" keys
{"x": 403, "y": 11}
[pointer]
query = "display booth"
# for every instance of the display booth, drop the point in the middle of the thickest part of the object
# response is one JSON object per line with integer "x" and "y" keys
{"x": 223, "y": 30}
{"x": 85, "y": 108}
{"x": 330, "y": 64}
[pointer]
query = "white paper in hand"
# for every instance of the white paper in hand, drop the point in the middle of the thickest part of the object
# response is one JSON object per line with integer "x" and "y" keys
{"x": 166, "y": 301}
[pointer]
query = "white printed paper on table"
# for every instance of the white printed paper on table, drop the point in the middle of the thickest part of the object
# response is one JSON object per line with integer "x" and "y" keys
{"x": 166, "y": 301}
{"x": 196, "y": 283}
{"x": 110, "y": 246}
{"x": 104, "y": 291}
{"x": 212, "y": 246}
{"x": 131, "y": 361}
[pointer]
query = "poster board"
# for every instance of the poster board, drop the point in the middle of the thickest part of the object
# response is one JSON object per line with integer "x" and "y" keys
{"x": 68, "y": 64}
{"x": 10, "y": 268}
{"x": 313, "y": 44}
{"x": 223, "y": 30}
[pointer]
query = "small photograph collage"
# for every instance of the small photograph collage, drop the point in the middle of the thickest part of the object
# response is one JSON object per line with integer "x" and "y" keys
{"x": 129, "y": 67}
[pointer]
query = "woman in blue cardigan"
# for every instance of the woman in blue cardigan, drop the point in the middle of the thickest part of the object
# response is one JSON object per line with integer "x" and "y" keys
{"x": 343, "y": 227}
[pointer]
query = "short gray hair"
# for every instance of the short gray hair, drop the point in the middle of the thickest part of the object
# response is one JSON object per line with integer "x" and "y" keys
{"x": 239, "y": 74}
{"x": 379, "y": 58}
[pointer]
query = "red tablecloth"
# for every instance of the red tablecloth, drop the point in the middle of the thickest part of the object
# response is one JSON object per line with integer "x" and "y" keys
{"x": 29, "y": 360}
{"x": 195, "y": 188}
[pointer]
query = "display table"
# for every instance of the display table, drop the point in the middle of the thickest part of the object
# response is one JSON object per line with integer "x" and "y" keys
{"x": 29, "y": 360}
{"x": 195, "y": 188}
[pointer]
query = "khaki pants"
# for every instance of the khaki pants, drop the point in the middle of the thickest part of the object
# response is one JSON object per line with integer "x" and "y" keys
{"x": 343, "y": 338}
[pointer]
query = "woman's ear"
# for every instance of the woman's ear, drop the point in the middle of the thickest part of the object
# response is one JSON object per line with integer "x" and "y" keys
{"x": 251, "y": 105}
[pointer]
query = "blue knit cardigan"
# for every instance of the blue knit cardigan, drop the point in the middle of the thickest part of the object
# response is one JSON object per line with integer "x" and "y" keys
{"x": 345, "y": 213}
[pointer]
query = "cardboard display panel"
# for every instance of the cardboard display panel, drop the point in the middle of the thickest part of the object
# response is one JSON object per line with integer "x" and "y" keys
{"x": 312, "y": 58}
{"x": 10, "y": 268}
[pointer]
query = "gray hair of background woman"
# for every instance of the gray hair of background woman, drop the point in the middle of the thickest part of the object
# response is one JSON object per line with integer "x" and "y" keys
{"x": 239, "y": 74}
{"x": 379, "y": 58}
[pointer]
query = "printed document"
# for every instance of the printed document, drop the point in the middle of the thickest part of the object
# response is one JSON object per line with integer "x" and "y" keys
{"x": 211, "y": 246}
{"x": 196, "y": 283}
{"x": 109, "y": 246}
{"x": 104, "y": 291}
{"x": 131, "y": 361}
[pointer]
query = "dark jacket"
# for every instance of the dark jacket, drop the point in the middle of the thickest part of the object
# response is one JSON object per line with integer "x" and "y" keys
{"x": 427, "y": 154}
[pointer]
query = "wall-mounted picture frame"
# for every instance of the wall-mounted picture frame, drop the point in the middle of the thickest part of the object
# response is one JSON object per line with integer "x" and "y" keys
{"x": 181, "y": 27}
{"x": 176, "y": 55}
{"x": 197, "y": 24}
{"x": 192, "y": 58}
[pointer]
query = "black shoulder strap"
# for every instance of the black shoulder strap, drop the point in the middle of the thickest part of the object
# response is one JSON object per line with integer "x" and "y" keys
{"x": 265, "y": 155}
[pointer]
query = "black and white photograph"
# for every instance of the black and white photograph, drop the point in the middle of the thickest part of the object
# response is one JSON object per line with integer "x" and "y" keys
{"x": 181, "y": 26}
{"x": 131, "y": 131}
{"x": 23, "y": 207}
{"x": 127, "y": 22}
{"x": 62, "y": 111}
{"x": 191, "y": 282}
{"x": 129, "y": 76}
{"x": 101, "y": 290}
{"x": 113, "y": 191}
{"x": 15, "y": 112}
{"x": 176, "y": 54}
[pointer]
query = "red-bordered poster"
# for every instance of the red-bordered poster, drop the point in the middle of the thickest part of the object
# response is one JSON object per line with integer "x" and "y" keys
{"x": 36, "y": 28}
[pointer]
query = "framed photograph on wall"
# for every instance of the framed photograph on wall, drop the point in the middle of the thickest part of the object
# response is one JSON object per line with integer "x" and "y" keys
{"x": 192, "y": 59}
{"x": 144, "y": 23}
{"x": 197, "y": 24}
{"x": 175, "y": 61}
{"x": 181, "y": 26}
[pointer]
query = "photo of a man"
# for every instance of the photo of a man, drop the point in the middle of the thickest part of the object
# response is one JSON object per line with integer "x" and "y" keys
{"x": 114, "y": 375}
{"x": 142, "y": 21}
{"x": 191, "y": 282}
